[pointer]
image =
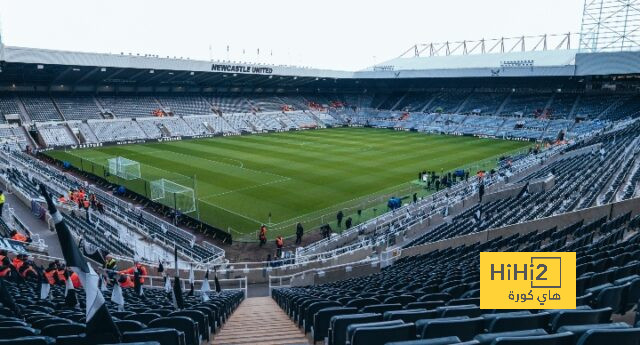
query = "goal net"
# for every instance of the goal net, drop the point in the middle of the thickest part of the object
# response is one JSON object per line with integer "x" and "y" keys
{"x": 124, "y": 168}
{"x": 173, "y": 195}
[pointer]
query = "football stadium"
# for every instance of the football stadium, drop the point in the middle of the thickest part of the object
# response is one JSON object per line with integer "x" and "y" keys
{"x": 482, "y": 191}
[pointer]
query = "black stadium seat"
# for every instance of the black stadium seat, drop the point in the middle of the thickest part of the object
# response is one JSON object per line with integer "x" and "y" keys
{"x": 381, "y": 308}
{"x": 462, "y": 327}
{"x": 434, "y": 341}
{"x": 145, "y": 318}
{"x": 339, "y": 324}
{"x": 519, "y": 322}
{"x": 580, "y": 317}
{"x": 409, "y": 315}
{"x": 488, "y": 338}
{"x": 32, "y": 340}
{"x": 199, "y": 318}
{"x": 180, "y": 323}
{"x": 628, "y": 336}
{"x": 16, "y": 332}
{"x": 579, "y": 330}
{"x": 322, "y": 319}
{"x": 380, "y": 335}
{"x": 552, "y": 339}
{"x": 129, "y": 325}
{"x": 164, "y": 336}
{"x": 56, "y": 330}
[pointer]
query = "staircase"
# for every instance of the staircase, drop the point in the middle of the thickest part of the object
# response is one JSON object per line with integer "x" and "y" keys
{"x": 259, "y": 321}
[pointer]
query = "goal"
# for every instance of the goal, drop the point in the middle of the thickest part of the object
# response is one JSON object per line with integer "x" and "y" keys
{"x": 173, "y": 195}
{"x": 124, "y": 168}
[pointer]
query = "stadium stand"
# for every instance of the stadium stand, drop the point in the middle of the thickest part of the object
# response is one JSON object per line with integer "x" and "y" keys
{"x": 229, "y": 104}
{"x": 40, "y": 108}
{"x": 526, "y": 104}
{"x": 78, "y": 107}
{"x": 55, "y": 135}
{"x": 185, "y": 104}
{"x": 129, "y": 106}
{"x": 447, "y": 101}
{"x": 562, "y": 105}
{"x": 114, "y": 130}
{"x": 485, "y": 103}
{"x": 435, "y": 294}
{"x": 8, "y": 105}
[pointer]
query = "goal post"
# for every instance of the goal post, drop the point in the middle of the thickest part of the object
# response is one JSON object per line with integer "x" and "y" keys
{"x": 124, "y": 168}
{"x": 173, "y": 195}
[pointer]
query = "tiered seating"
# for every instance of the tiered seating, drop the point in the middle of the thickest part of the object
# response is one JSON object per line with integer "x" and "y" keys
{"x": 55, "y": 135}
{"x": 114, "y": 130}
{"x": 185, "y": 104}
{"x": 626, "y": 107}
{"x": 415, "y": 102}
{"x": 8, "y": 105}
{"x": 177, "y": 126}
{"x": 562, "y": 104}
{"x": 266, "y": 103}
{"x": 101, "y": 235}
{"x": 40, "y": 108}
{"x": 78, "y": 107}
{"x": 212, "y": 124}
{"x": 526, "y": 104}
{"x": 129, "y": 106}
{"x": 154, "y": 227}
{"x": 301, "y": 119}
{"x": 149, "y": 319}
{"x": 481, "y": 125}
{"x": 86, "y": 131}
{"x": 445, "y": 123}
{"x": 485, "y": 103}
{"x": 230, "y": 104}
{"x": 16, "y": 133}
{"x": 591, "y": 106}
{"x": 359, "y": 101}
{"x": 391, "y": 101}
{"x": 298, "y": 103}
{"x": 447, "y": 101}
{"x": 241, "y": 122}
{"x": 150, "y": 127}
{"x": 579, "y": 180}
{"x": 436, "y": 295}
{"x": 327, "y": 119}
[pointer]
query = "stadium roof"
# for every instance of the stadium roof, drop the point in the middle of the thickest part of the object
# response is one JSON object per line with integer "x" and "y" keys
{"x": 54, "y": 67}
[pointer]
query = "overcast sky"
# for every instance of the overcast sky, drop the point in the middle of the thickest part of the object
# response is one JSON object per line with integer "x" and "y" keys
{"x": 335, "y": 34}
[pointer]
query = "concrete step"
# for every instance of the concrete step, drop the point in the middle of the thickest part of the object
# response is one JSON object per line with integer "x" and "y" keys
{"x": 259, "y": 321}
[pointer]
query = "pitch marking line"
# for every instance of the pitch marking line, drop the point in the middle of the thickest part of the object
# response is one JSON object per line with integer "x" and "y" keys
{"x": 246, "y": 188}
{"x": 221, "y": 163}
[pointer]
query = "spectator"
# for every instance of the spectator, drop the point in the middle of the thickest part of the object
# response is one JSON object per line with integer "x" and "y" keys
{"x": 339, "y": 217}
{"x": 16, "y": 236}
{"x": 2, "y": 200}
{"x": 110, "y": 263}
{"x": 263, "y": 235}
{"x": 348, "y": 223}
{"x": 279, "y": 246}
{"x": 299, "y": 233}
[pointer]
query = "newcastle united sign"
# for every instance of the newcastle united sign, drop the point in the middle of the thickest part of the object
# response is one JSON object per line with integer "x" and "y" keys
{"x": 241, "y": 69}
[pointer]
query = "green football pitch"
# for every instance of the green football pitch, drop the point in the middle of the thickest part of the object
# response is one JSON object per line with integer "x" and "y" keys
{"x": 284, "y": 178}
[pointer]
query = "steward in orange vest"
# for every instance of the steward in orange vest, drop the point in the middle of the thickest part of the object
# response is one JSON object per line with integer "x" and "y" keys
{"x": 51, "y": 274}
{"x": 125, "y": 281}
